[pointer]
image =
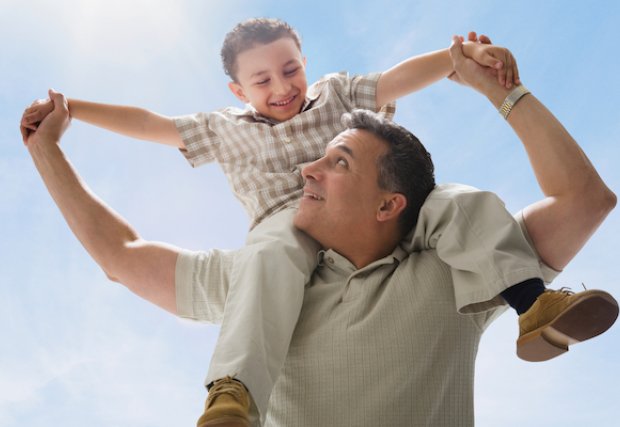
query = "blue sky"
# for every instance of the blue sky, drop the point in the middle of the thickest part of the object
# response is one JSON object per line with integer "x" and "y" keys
{"x": 78, "y": 350}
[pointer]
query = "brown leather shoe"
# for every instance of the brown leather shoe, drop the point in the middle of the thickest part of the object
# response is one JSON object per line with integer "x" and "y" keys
{"x": 560, "y": 318}
{"x": 228, "y": 405}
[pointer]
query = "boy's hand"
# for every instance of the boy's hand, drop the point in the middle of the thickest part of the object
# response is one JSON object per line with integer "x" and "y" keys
{"x": 497, "y": 58}
{"x": 35, "y": 114}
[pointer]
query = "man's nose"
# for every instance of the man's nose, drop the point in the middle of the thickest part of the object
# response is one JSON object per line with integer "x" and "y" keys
{"x": 312, "y": 171}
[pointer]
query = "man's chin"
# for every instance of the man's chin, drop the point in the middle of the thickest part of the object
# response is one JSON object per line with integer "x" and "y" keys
{"x": 304, "y": 222}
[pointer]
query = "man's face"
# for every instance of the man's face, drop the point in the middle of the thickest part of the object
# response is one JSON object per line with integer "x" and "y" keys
{"x": 341, "y": 194}
{"x": 272, "y": 78}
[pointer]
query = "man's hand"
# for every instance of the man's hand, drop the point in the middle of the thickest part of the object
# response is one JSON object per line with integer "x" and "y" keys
{"x": 470, "y": 73}
{"x": 53, "y": 124}
{"x": 35, "y": 114}
{"x": 497, "y": 58}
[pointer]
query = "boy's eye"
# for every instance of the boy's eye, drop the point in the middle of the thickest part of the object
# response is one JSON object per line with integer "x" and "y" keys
{"x": 262, "y": 82}
{"x": 291, "y": 72}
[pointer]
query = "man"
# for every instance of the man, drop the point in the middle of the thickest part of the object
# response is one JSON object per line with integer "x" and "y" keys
{"x": 379, "y": 341}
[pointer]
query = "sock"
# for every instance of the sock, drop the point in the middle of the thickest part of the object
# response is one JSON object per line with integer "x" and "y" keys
{"x": 522, "y": 295}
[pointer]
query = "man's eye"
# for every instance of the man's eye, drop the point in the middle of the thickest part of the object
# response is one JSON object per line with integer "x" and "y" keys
{"x": 342, "y": 162}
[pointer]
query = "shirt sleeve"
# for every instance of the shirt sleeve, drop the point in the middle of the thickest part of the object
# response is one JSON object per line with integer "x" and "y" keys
{"x": 201, "y": 142}
{"x": 363, "y": 93}
{"x": 202, "y": 280}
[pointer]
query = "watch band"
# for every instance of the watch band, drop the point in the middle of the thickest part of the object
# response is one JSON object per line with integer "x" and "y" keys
{"x": 512, "y": 99}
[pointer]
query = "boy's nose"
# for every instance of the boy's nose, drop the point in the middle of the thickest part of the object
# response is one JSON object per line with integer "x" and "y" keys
{"x": 281, "y": 87}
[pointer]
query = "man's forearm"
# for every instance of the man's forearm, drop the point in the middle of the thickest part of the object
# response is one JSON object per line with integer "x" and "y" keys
{"x": 146, "y": 268}
{"x": 99, "y": 229}
{"x": 577, "y": 200}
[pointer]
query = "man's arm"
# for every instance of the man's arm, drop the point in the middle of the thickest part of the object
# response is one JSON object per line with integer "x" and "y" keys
{"x": 576, "y": 198}
{"x": 146, "y": 268}
{"x": 129, "y": 121}
{"x": 420, "y": 71}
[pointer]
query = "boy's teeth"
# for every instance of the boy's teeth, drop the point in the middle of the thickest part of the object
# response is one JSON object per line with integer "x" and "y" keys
{"x": 281, "y": 103}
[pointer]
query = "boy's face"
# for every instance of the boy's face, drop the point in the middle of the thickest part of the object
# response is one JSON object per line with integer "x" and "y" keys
{"x": 272, "y": 78}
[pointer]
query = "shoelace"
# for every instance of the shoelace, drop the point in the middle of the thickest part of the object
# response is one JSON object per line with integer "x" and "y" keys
{"x": 568, "y": 291}
{"x": 225, "y": 386}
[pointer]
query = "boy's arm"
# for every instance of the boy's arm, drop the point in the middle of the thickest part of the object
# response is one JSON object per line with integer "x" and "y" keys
{"x": 129, "y": 121}
{"x": 420, "y": 71}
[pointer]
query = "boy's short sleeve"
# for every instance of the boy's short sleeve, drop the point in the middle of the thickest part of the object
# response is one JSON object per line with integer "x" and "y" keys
{"x": 201, "y": 142}
{"x": 363, "y": 93}
{"x": 202, "y": 280}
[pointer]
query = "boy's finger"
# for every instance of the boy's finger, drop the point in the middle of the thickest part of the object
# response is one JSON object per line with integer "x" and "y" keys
{"x": 58, "y": 99}
{"x": 472, "y": 36}
{"x": 484, "y": 39}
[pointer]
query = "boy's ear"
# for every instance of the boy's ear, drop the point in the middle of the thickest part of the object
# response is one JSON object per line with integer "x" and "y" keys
{"x": 391, "y": 207}
{"x": 238, "y": 91}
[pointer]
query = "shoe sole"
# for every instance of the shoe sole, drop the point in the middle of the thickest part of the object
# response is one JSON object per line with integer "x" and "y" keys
{"x": 586, "y": 318}
{"x": 226, "y": 422}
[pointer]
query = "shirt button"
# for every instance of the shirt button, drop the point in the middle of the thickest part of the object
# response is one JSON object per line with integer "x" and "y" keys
{"x": 330, "y": 260}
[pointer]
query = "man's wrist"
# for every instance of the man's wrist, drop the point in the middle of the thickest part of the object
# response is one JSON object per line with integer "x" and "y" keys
{"x": 511, "y": 100}
{"x": 496, "y": 94}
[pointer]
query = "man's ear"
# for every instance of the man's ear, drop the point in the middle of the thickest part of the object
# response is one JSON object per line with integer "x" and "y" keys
{"x": 391, "y": 207}
{"x": 238, "y": 91}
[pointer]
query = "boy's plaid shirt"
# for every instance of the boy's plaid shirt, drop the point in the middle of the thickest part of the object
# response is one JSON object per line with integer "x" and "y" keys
{"x": 262, "y": 159}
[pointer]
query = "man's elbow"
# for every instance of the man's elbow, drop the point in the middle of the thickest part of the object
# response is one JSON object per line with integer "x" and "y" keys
{"x": 117, "y": 265}
{"x": 599, "y": 202}
{"x": 111, "y": 277}
{"x": 603, "y": 198}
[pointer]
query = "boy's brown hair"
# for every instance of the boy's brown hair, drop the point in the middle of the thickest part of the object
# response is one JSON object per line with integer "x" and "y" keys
{"x": 248, "y": 34}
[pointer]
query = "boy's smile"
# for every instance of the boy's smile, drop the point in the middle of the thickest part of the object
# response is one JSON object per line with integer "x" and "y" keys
{"x": 272, "y": 78}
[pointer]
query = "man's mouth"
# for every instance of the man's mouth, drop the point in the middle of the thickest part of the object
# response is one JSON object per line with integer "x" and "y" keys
{"x": 311, "y": 195}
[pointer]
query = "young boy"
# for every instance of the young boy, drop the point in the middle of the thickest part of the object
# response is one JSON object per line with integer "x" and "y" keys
{"x": 262, "y": 150}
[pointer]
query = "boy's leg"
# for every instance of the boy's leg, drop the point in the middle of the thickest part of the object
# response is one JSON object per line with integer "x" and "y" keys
{"x": 492, "y": 259}
{"x": 263, "y": 304}
{"x": 482, "y": 243}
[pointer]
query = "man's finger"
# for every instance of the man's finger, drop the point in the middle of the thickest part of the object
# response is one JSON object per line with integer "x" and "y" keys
{"x": 501, "y": 75}
{"x": 491, "y": 61}
{"x": 472, "y": 36}
{"x": 25, "y": 132}
{"x": 509, "y": 77}
{"x": 515, "y": 70}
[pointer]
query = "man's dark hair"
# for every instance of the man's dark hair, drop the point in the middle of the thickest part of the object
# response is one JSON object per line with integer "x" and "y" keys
{"x": 248, "y": 34}
{"x": 405, "y": 168}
